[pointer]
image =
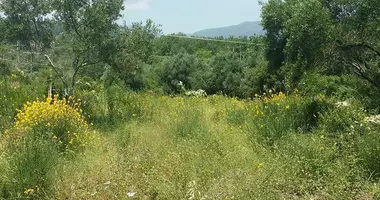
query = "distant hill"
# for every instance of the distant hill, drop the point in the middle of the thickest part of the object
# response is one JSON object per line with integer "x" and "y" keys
{"x": 240, "y": 30}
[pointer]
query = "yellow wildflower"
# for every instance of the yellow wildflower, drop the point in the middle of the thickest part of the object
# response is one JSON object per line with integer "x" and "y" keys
{"x": 29, "y": 191}
{"x": 50, "y": 114}
{"x": 260, "y": 165}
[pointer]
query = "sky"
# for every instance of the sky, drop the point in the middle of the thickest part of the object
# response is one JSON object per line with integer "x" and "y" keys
{"x": 189, "y": 16}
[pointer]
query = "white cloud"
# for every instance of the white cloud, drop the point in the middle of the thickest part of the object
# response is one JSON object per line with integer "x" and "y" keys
{"x": 139, "y": 5}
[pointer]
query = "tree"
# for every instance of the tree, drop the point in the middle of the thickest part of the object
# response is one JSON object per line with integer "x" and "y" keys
{"x": 203, "y": 54}
{"x": 273, "y": 21}
{"x": 184, "y": 68}
{"x": 227, "y": 72}
{"x": 357, "y": 37}
{"x": 2, "y": 27}
{"x": 134, "y": 50}
{"x": 27, "y": 21}
{"x": 255, "y": 71}
{"x": 297, "y": 34}
{"x": 90, "y": 27}
{"x": 307, "y": 30}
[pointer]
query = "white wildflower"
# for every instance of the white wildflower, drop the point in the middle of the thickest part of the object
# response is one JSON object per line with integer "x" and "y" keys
{"x": 375, "y": 119}
{"x": 342, "y": 104}
{"x": 198, "y": 93}
{"x": 131, "y": 194}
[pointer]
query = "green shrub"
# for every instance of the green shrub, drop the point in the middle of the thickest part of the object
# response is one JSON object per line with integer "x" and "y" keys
{"x": 123, "y": 105}
{"x": 342, "y": 118}
{"x": 253, "y": 81}
{"x": 227, "y": 73}
{"x": 341, "y": 87}
{"x": 309, "y": 167}
{"x": 273, "y": 117}
{"x": 369, "y": 154}
{"x": 184, "y": 68}
{"x": 314, "y": 84}
{"x": 94, "y": 105}
{"x": 14, "y": 92}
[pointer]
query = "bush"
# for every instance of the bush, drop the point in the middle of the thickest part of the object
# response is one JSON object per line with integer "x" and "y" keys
{"x": 275, "y": 115}
{"x": 341, "y": 87}
{"x": 342, "y": 118}
{"x": 315, "y": 84}
{"x": 94, "y": 105}
{"x": 253, "y": 81}
{"x": 13, "y": 96}
{"x": 53, "y": 120}
{"x": 310, "y": 168}
{"x": 183, "y": 68}
{"x": 123, "y": 105}
{"x": 227, "y": 73}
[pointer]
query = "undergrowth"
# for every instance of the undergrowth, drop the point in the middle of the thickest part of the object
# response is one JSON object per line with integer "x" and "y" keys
{"x": 276, "y": 146}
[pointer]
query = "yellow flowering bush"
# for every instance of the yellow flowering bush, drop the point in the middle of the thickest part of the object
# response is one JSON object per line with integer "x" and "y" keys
{"x": 60, "y": 121}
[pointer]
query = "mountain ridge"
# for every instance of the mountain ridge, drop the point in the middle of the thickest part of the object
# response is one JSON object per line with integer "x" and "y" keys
{"x": 248, "y": 28}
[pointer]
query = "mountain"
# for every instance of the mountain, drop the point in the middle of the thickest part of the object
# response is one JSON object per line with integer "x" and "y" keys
{"x": 240, "y": 30}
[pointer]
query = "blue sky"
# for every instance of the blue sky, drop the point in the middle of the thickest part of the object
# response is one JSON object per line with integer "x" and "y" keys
{"x": 189, "y": 16}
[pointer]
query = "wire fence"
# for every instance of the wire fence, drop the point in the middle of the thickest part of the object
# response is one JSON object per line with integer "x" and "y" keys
{"x": 214, "y": 40}
{"x": 30, "y": 60}
{"x": 27, "y": 61}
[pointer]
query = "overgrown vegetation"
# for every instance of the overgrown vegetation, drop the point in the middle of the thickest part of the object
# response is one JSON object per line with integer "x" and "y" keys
{"x": 98, "y": 110}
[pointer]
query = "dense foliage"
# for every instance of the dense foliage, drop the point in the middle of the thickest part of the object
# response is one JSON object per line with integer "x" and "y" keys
{"x": 303, "y": 39}
{"x": 292, "y": 114}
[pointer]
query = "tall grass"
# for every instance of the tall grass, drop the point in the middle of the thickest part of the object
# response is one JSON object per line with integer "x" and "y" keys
{"x": 14, "y": 92}
{"x": 32, "y": 164}
{"x": 159, "y": 147}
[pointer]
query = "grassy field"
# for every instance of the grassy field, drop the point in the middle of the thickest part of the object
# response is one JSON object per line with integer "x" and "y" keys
{"x": 159, "y": 147}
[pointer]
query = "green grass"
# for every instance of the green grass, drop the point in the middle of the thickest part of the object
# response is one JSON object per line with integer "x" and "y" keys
{"x": 206, "y": 148}
{"x": 31, "y": 165}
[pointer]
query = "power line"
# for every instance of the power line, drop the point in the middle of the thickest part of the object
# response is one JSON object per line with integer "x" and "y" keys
{"x": 214, "y": 40}
{"x": 24, "y": 63}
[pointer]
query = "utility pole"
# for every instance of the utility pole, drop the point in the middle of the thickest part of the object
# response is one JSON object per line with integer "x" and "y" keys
{"x": 32, "y": 59}
{"x": 50, "y": 83}
{"x": 4, "y": 72}
{"x": 18, "y": 52}
{"x": 240, "y": 53}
